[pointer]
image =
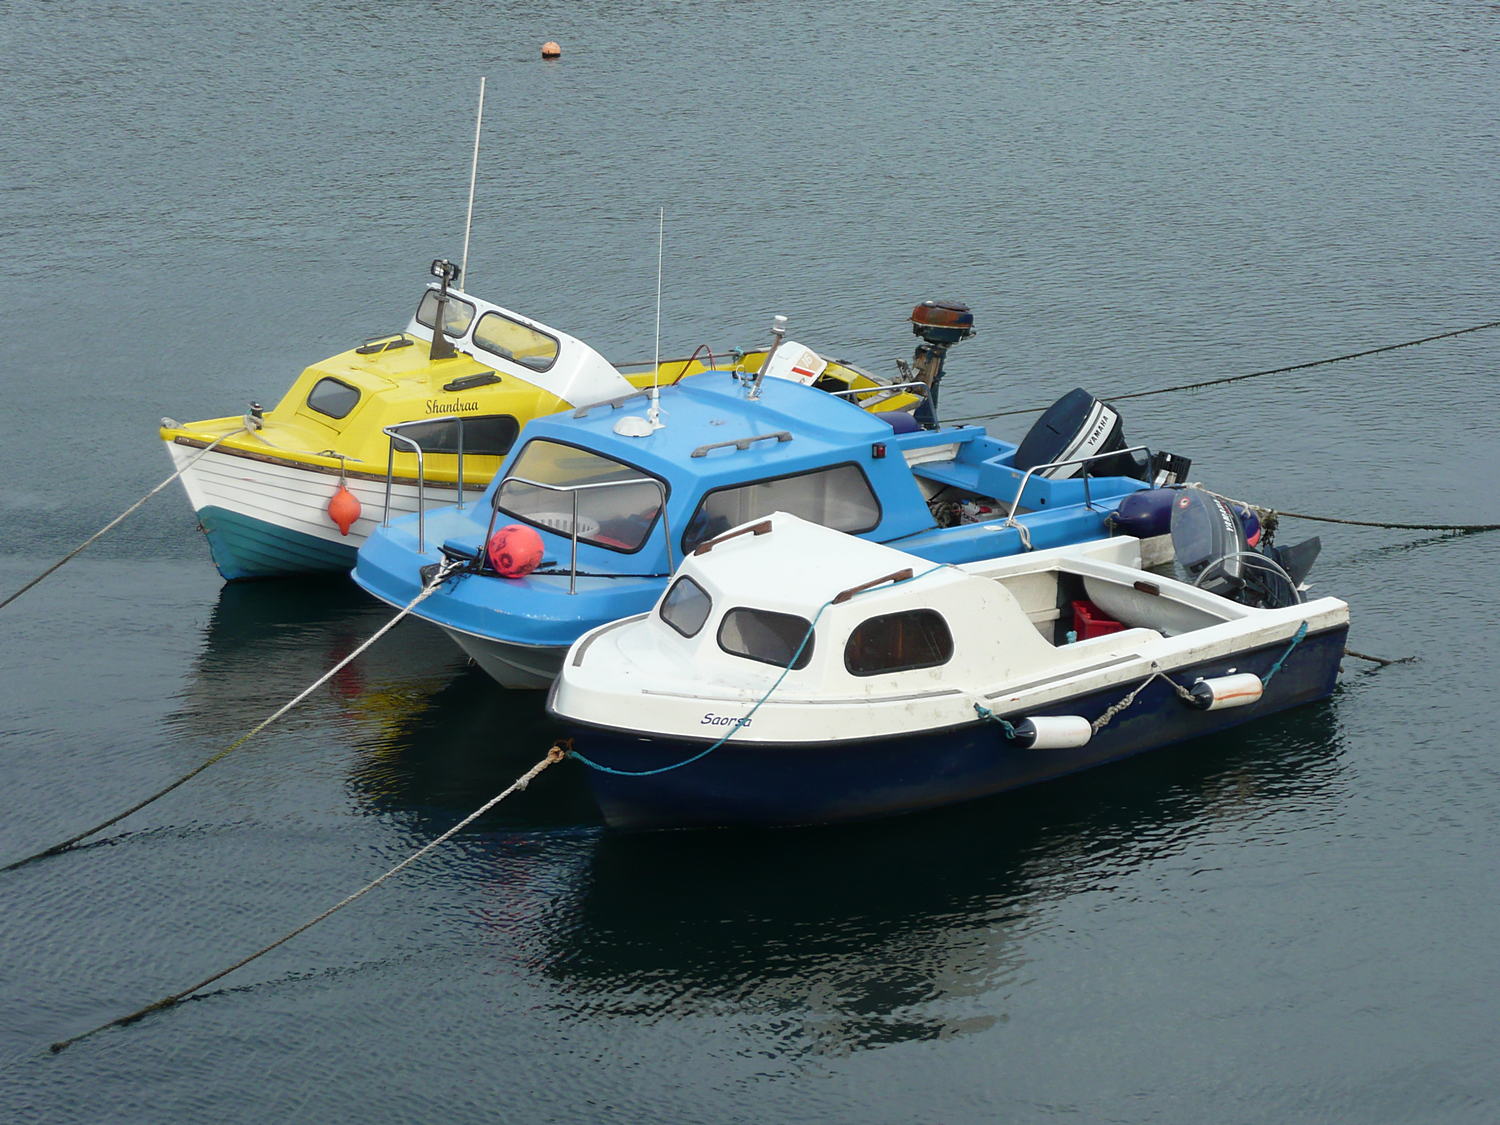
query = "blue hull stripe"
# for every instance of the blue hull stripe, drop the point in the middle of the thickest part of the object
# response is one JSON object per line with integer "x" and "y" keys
{"x": 244, "y": 547}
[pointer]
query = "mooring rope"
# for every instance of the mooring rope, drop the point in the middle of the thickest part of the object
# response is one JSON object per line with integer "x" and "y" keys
{"x": 1390, "y": 526}
{"x": 437, "y": 579}
{"x": 1382, "y": 661}
{"x": 1268, "y": 515}
{"x": 118, "y": 519}
{"x": 1251, "y": 374}
{"x": 554, "y": 755}
{"x": 741, "y": 723}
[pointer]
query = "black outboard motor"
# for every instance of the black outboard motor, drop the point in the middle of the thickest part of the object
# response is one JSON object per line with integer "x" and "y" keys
{"x": 941, "y": 324}
{"x": 1079, "y": 426}
{"x": 1209, "y": 539}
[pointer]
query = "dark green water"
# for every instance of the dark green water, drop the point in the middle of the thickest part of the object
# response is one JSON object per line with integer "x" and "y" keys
{"x": 1294, "y": 924}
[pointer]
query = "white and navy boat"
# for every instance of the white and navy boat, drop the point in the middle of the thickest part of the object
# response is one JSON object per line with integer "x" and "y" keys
{"x": 794, "y": 675}
{"x": 612, "y": 495}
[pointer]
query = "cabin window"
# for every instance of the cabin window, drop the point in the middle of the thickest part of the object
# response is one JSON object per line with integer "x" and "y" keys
{"x": 839, "y": 497}
{"x": 333, "y": 398}
{"x": 510, "y": 339}
{"x": 686, "y": 607}
{"x": 898, "y": 642}
{"x": 489, "y": 435}
{"x": 771, "y": 638}
{"x": 618, "y": 504}
{"x": 456, "y": 317}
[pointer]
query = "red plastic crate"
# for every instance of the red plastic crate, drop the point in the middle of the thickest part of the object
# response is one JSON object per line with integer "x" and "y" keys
{"x": 1090, "y": 621}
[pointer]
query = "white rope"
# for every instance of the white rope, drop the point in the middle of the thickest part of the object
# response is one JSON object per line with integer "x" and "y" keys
{"x": 442, "y": 573}
{"x": 1103, "y": 720}
{"x": 114, "y": 522}
{"x": 555, "y": 754}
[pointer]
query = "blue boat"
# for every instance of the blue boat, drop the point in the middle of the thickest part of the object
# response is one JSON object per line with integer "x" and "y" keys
{"x": 616, "y": 493}
{"x": 792, "y": 675}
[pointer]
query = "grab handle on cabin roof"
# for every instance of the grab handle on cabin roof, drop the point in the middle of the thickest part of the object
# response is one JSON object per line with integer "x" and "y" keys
{"x": 709, "y": 544}
{"x": 743, "y": 443}
{"x": 895, "y": 576}
{"x": 612, "y": 403}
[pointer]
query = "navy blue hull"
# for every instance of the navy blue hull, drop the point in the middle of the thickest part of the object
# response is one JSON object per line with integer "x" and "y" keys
{"x": 751, "y": 783}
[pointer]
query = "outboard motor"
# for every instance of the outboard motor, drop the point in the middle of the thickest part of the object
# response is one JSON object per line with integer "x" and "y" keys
{"x": 940, "y": 324}
{"x": 1210, "y": 540}
{"x": 1148, "y": 513}
{"x": 1079, "y": 426}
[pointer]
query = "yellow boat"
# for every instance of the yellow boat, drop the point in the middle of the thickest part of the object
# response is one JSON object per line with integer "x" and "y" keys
{"x": 414, "y": 420}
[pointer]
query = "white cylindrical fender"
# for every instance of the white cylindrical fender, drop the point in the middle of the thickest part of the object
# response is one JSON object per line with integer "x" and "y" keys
{"x": 1052, "y": 732}
{"x": 1237, "y": 690}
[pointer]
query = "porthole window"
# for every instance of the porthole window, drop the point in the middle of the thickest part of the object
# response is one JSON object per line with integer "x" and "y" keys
{"x": 333, "y": 398}
{"x": 771, "y": 638}
{"x": 686, "y": 607}
{"x": 898, "y": 642}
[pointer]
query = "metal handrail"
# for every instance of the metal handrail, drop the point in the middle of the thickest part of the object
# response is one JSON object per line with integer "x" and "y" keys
{"x": 878, "y": 388}
{"x": 1088, "y": 501}
{"x": 416, "y": 448}
{"x": 573, "y": 490}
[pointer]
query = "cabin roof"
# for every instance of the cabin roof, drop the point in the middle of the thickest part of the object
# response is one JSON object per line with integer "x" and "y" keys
{"x": 707, "y": 414}
{"x": 809, "y": 566}
{"x": 578, "y": 374}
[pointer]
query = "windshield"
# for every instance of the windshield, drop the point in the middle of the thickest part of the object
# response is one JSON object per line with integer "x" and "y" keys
{"x": 617, "y": 503}
{"x": 457, "y": 316}
{"x": 515, "y": 341}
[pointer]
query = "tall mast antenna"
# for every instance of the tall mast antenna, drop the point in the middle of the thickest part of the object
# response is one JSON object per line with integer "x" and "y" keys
{"x": 473, "y": 175}
{"x": 654, "y": 414}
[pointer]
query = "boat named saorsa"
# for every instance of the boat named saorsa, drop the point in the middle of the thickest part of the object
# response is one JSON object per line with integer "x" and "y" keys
{"x": 791, "y": 674}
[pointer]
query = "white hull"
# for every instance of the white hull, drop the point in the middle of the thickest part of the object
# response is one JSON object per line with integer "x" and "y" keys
{"x": 265, "y": 517}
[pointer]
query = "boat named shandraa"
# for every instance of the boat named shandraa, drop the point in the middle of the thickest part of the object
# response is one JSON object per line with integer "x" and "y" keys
{"x": 404, "y": 421}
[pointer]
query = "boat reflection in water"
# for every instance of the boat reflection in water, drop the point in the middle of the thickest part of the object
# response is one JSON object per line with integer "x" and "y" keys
{"x": 266, "y": 642}
{"x": 428, "y": 731}
{"x": 845, "y": 939}
{"x": 822, "y": 942}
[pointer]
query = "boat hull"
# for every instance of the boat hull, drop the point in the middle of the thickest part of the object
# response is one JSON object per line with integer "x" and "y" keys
{"x": 512, "y": 665}
{"x": 744, "y": 782}
{"x": 267, "y": 517}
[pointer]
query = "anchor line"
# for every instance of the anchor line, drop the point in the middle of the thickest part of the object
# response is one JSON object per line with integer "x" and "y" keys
{"x": 118, "y": 519}
{"x": 1252, "y": 374}
{"x": 443, "y": 572}
{"x": 553, "y": 756}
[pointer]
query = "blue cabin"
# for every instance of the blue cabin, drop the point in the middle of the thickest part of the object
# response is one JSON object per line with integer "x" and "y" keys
{"x": 619, "y": 491}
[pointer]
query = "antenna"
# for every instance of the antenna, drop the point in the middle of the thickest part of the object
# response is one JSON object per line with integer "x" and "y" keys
{"x": 633, "y": 425}
{"x": 654, "y": 414}
{"x": 473, "y": 175}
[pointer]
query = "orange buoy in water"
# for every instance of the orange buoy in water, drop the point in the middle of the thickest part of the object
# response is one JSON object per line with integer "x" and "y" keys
{"x": 551, "y": 50}
{"x": 343, "y": 509}
{"x": 514, "y": 550}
